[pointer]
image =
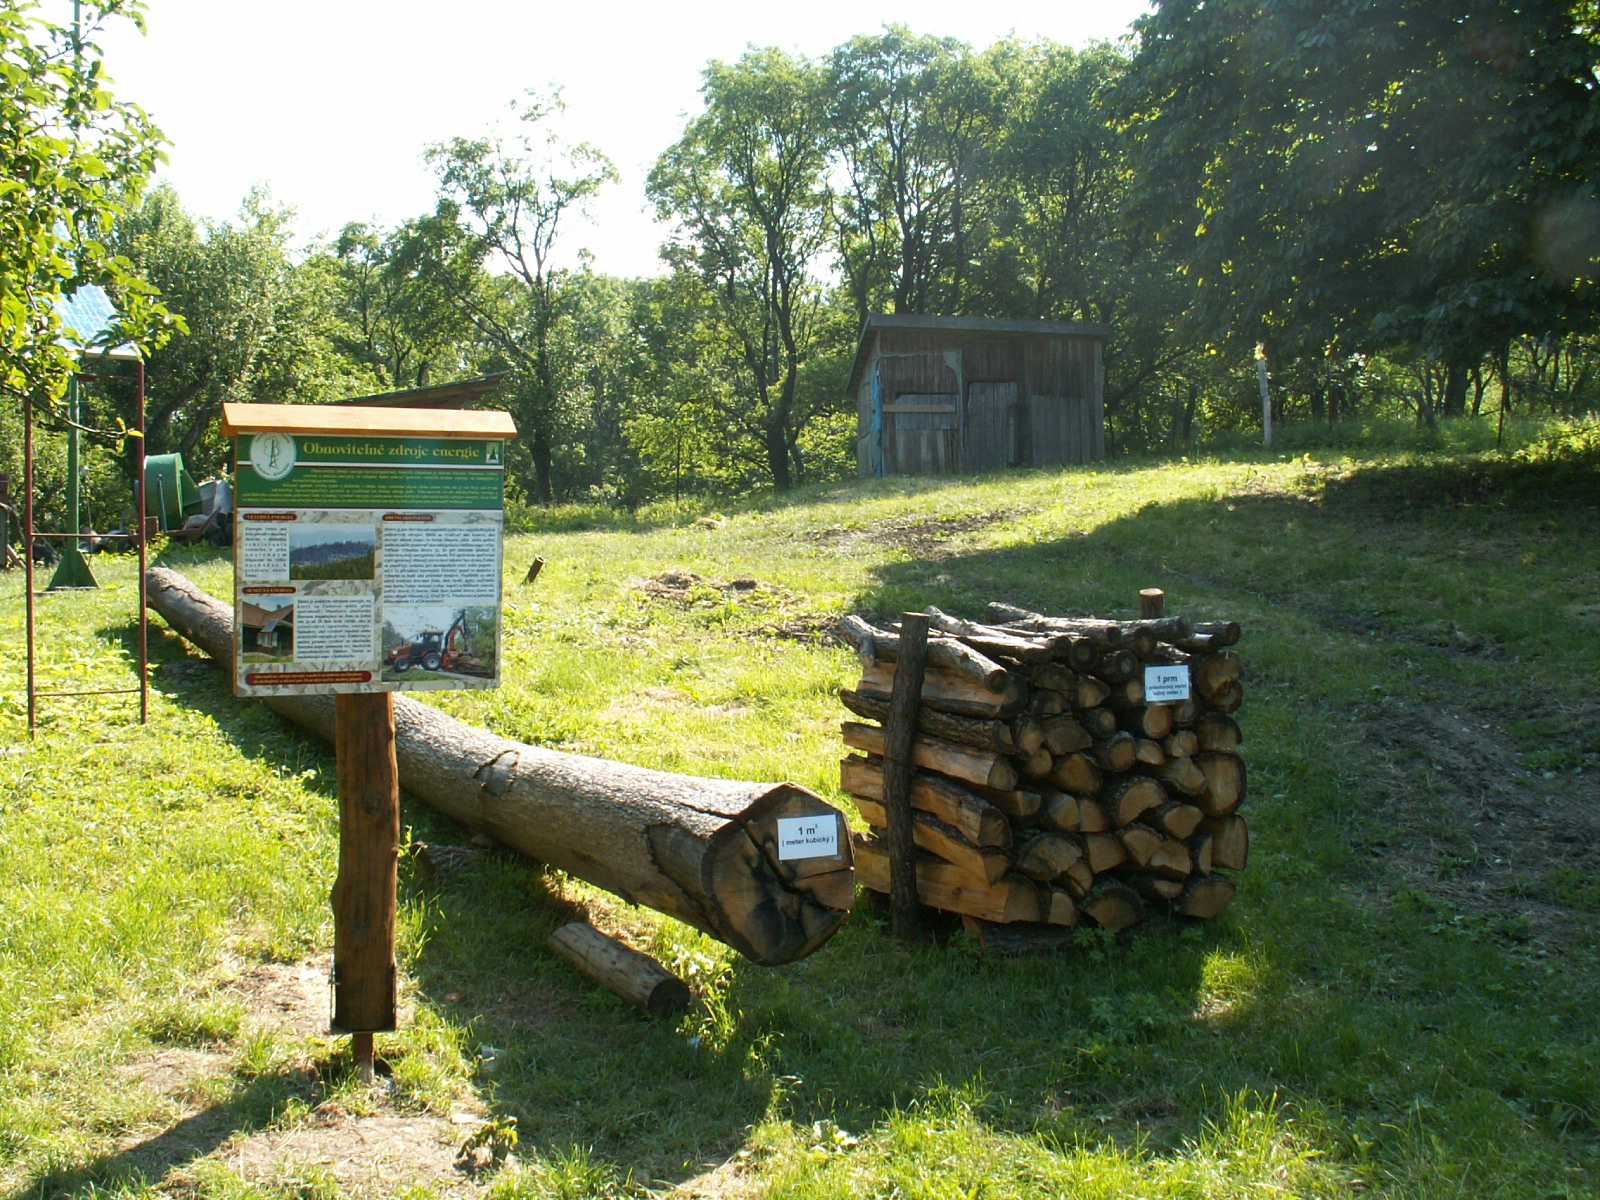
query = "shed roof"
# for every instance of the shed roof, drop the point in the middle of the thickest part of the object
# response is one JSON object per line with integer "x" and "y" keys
{"x": 1002, "y": 325}
{"x": 332, "y": 420}
{"x": 461, "y": 393}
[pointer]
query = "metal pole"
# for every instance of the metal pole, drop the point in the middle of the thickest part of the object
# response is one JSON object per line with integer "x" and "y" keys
{"x": 27, "y": 543}
{"x": 1266, "y": 397}
{"x": 138, "y": 502}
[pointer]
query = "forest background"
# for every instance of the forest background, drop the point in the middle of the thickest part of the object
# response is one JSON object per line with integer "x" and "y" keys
{"x": 1395, "y": 202}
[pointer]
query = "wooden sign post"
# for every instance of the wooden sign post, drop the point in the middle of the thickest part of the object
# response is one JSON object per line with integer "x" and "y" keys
{"x": 367, "y": 560}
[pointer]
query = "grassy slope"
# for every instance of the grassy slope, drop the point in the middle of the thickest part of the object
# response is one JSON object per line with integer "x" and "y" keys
{"x": 1365, "y": 1019}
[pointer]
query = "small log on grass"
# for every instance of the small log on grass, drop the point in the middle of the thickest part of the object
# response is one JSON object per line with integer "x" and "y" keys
{"x": 704, "y": 851}
{"x": 637, "y": 978}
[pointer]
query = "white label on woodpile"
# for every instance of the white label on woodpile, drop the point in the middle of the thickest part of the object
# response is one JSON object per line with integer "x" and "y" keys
{"x": 808, "y": 837}
{"x": 1162, "y": 684}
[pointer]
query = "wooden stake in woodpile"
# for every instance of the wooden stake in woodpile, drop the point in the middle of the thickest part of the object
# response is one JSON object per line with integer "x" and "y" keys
{"x": 1063, "y": 770}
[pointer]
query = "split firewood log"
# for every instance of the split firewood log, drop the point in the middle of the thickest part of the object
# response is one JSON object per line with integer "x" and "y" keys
{"x": 1044, "y": 703}
{"x": 1036, "y": 765}
{"x": 1227, "y": 699}
{"x": 1140, "y": 637}
{"x": 1184, "y": 712}
{"x": 1100, "y": 722}
{"x": 1204, "y": 896}
{"x": 1182, "y": 774}
{"x": 1214, "y": 731}
{"x": 1151, "y": 888}
{"x": 1065, "y": 735}
{"x": 936, "y": 754}
{"x": 1092, "y": 816}
{"x": 1149, "y": 752}
{"x": 1079, "y": 878}
{"x": 980, "y": 822}
{"x": 933, "y": 835}
{"x": 1019, "y": 803}
{"x": 1105, "y": 851}
{"x": 1141, "y": 842}
{"x": 1120, "y": 666}
{"x": 1225, "y": 783}
{"x": 879, "y": 645}
{"x": 1212, "y": 672}
{"x": 1148, "y": 720}
{"x": 1230, "y": 842}
{"x": 1180, "y": 743}
{"x": 1055, "y": 677}
{"x": 1027, "y": 735}
{"x": 948, "y": 692}
{"x": 1116, "y": 753}
{"x": 942, "y": 885}
{"x": 1060, "y": 812}
{"x": 1112, "y": 905}
{"x": 1171, "y": 860}
{"x": 1061, "y": 909}
{"x": 1128, "y": 797}
{"x": 704, "y": 851}
{"x": 1200, "y": 847}
{"x": 1091, "y": 693}
{"x": 1076, "y": 773}
{"x": 1174, "y": 818}
{"x": 996, "y": 735}
{"x": 1046, "y": 856}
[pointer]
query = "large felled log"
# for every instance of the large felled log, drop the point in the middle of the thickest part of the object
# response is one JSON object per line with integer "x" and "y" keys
{"x": 942, "y": 885}
{"x": 980, "y": 822}
{"x": 936, "y": 754}
{"x": 637, "y": 978}
{"x": 704, "y": 851}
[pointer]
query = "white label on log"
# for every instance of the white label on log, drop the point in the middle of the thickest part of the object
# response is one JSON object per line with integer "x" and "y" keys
{"x": 1162, "y": 684}
{"x": 808, "y": 837}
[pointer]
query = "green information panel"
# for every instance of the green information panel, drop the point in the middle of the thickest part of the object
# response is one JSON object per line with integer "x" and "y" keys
{"x": 366, "y": 563}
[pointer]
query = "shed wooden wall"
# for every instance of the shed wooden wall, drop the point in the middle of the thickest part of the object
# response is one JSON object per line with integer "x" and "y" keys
{"x": 1059, "y": 414}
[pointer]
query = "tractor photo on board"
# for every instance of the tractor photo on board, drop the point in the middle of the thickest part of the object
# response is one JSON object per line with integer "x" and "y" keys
{"x": 418, "y": 639}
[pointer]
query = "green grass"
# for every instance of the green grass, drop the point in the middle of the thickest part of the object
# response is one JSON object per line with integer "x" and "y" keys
{"x": 1383, "y": 1011}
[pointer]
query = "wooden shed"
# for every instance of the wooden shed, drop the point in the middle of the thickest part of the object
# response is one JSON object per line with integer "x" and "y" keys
{"x": 936, "y": 395}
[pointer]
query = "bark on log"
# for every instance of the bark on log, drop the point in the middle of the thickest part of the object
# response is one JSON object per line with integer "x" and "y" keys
{"x": 637, "y": 978}
{"x": 947, "y": 692}
{"x": 1006, "y": 643}
{"x": 877, "y": 645}
{"x": 1117, "y": 753}
{"x": 704, "y": 851}
{"x": 1128, "y": 798}
{"x": 933, "y": 835}
{"x": 1204, "y": 896}
{"x": 1148, "y": 720}
{"x": 1100, "y": 722}
{"x": 969, "y": 731}
{"x": 940, "y": 885}
{"x": 1101, "y": 633}
{"x": 936, "y": 754}
{"x": 1112, "y": 905}
{"x": 980, "y": 822}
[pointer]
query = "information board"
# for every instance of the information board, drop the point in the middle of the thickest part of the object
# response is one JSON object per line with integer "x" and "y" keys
{"x": 366, "y": 561}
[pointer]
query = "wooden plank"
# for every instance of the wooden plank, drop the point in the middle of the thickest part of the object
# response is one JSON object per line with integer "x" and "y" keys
{"x": 919, "y": 408}
{"x": 899, "y": 735}
{"x": 333, "y": 420}
{"x": 364, "y": 990}
{"x": 990, "y": 435}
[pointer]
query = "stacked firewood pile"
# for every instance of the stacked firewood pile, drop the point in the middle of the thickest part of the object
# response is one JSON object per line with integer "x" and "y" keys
{"x": 1047, "y": 785}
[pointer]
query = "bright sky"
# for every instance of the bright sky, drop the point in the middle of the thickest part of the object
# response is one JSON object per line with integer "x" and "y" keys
{"x": 331, "y": 102}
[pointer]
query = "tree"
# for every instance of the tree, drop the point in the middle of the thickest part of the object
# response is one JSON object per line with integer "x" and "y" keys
{"x": 258, "y": 326}
{"x": 746, "y": 186}
{"x": 901, "y": 110}
{"x": 512, "y": 198}
{"x": 1373, "y": 175}
{"x": 398, "y": 297}
{"x": 71, "y": 159}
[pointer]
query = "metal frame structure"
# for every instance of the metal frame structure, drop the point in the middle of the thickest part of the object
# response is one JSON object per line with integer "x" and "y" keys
{"x": 29, "y": 533}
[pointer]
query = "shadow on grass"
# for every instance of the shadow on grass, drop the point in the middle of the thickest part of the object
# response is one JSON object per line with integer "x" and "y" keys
{"x": 145, "y": 1164}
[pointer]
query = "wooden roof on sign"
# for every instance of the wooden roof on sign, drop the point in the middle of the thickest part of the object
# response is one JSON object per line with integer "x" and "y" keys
{"x": 334, "y": 421}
